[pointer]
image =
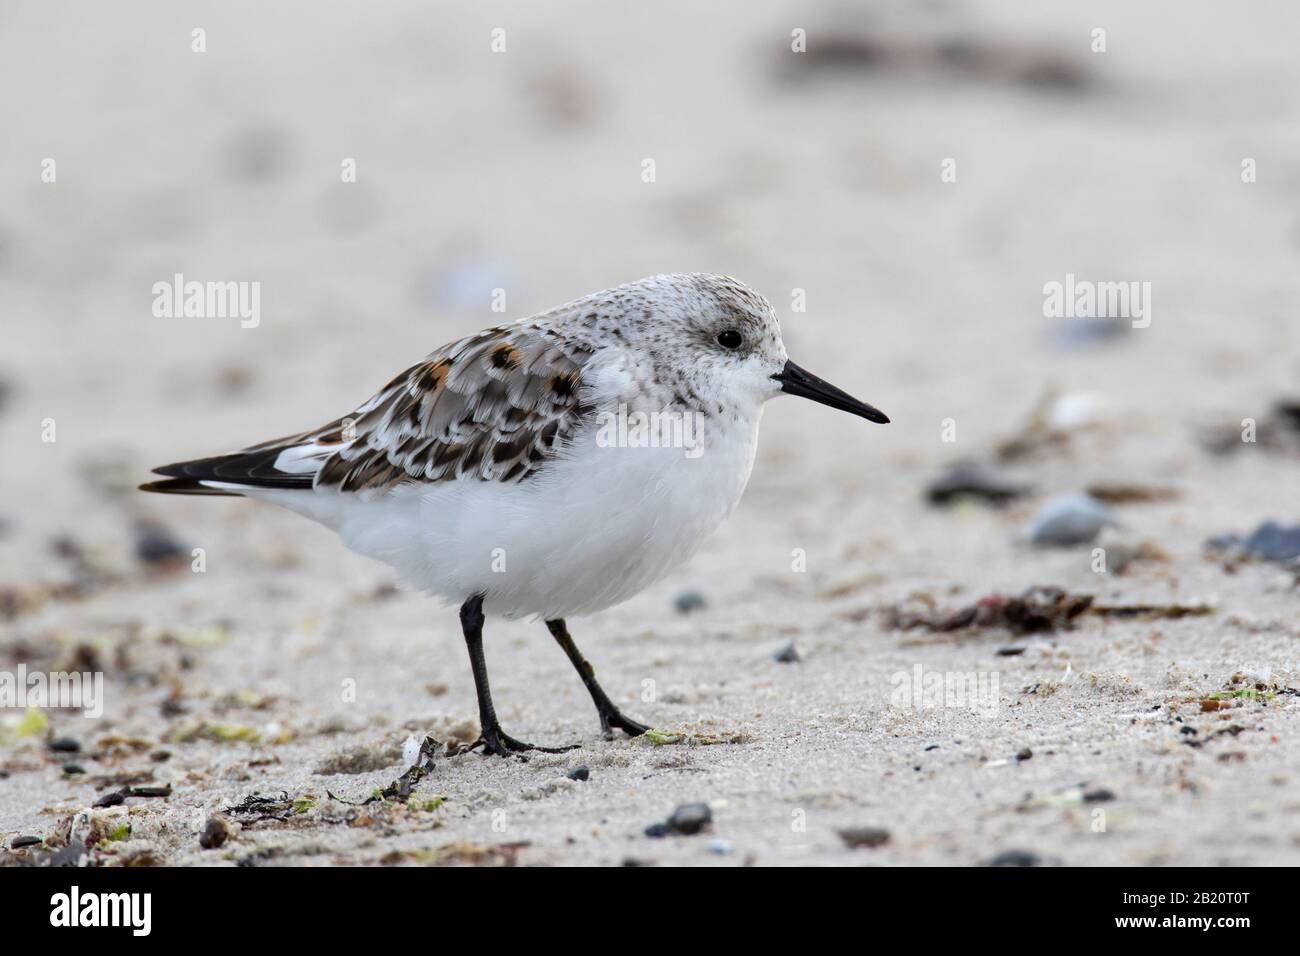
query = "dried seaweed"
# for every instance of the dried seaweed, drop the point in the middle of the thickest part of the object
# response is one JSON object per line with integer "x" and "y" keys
{"x": 1035, "y": 611}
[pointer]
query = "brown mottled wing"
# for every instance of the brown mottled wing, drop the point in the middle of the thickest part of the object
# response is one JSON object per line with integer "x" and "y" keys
{"x": 492, "y": 407}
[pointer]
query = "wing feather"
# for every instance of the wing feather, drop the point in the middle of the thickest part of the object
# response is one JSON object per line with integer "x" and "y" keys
{"x": 491, "y": 407}
{"x": 495, "y": 406}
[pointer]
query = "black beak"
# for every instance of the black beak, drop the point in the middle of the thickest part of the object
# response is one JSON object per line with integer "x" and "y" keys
{"x": 796, "y": 381}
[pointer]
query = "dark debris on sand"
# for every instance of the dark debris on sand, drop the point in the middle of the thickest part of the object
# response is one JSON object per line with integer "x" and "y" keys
{"x": 971, "y": 481}
{"x": 1015, "y": 858}
{"x": 1271, "y": 541}
{"x": 869, "y": 837}
{"x": 687, "y": 820}
{"x": 401, "y": 788}
{"x": 1037, "y": 610}
{"x": 118, "y": 797}
{"x": 1278, "y": 432}
{"x": 263, "y": 808}
{"x": 943, "y": 52}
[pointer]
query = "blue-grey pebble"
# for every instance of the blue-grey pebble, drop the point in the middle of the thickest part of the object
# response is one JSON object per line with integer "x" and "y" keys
{"x": 1070, "y": 519}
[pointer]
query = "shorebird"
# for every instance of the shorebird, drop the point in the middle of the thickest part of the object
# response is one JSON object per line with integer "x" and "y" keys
{"x": 548, "y": 468}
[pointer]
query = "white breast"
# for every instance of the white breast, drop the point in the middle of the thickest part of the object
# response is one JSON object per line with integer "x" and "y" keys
{"x": 590, "y": 531}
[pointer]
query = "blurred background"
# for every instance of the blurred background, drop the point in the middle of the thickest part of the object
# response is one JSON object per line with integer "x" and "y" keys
{"x": 815, "y": 176}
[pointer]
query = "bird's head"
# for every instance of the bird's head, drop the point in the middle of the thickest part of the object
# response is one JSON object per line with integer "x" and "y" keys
{"x": 716, "y": 341}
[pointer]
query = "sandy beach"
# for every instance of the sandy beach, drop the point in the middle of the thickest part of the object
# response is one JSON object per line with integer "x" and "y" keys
{"x": 273, "y": 690}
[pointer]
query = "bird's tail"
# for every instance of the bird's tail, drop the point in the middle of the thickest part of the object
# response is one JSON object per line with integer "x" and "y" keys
{"x": 185, "y": 486}
{"x": 285, "y": 464}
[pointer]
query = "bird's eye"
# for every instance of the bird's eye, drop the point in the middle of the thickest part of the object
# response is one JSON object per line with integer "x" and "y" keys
{"x": 729, "y": 339}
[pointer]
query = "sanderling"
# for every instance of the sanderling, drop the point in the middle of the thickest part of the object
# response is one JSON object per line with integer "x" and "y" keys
{"x": 522, "y": 471}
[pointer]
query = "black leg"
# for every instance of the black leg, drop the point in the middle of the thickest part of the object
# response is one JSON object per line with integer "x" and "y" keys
{"x": 492, "y": 738}
{"x": 610, "y": 716}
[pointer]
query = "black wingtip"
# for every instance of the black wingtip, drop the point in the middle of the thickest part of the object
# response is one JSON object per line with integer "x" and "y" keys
{"x": 254, "y": 468}
{"x": 186, "y": 486}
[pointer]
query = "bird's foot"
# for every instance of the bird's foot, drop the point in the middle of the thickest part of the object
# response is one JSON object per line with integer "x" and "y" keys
{"x": 497, "y": 742}
{"x": 613, "y": 718}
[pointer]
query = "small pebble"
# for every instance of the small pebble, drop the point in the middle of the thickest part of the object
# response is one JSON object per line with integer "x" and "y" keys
{"x": 1287, "y": 409}
{"x": 870, "y": 837}
{"x": 410, "y": 752}
{"x": 154, "y": 544}
{"x": 1015, "y": 858}
{"x": 968, "y": 480}
{"x": 64, "y": 745}
{"x": 215, "y": 833}
{"x": 1100, "y": 795}
{"x": 687, "y": 820}
{"x": 19, "y": 842}
{"x": 164, "y": 791}
{"x": 1024, "y": 754}
{"x": 73, "y": 769}
{"x": 690, "y": 818}
{"x": 116, "y": 798}
{"x": 1186, "y": 729}
{"x": 1070, "y": 519}
{"x": 1011, "y": 650}
{"x": 787, "y": 655}
{"x": 1088, "y": 330}
{"x": 688, "y": 601}
{"x": 1273, "y": 542}
{"x": 1224, "y": 542}
{"x": 579, "y": 773}
{"x": 720, "y": 847}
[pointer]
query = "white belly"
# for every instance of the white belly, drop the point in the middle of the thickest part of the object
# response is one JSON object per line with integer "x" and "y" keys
{"x": 587, "y": 533}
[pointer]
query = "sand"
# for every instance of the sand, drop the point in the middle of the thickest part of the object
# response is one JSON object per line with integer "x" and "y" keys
{"x": 290, "y": 666}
